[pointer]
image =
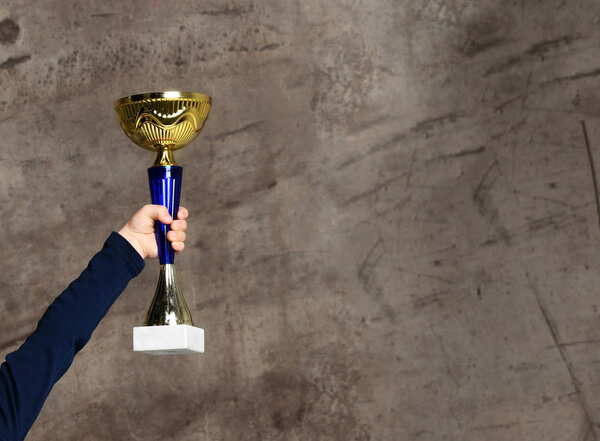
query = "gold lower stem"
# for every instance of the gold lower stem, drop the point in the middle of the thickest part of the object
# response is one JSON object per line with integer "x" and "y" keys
{"x": 168, "y": 306}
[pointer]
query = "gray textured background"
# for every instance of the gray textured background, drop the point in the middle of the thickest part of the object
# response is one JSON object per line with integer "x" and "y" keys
{"x": 393, "y": 231}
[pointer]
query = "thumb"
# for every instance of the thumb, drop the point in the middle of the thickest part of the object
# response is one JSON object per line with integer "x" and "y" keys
{"x": 157, "y": 212}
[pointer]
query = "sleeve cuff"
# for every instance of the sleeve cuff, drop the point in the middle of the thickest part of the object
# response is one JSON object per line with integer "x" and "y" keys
{"x": 126, "y": 251}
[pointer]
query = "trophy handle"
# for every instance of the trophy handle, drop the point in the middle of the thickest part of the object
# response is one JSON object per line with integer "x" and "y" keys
{"x": 165, "y": 189}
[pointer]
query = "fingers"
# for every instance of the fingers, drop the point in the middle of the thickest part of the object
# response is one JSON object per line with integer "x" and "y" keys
{"x": 160, "y": 212}
{"x": 157, "y": 212}
{"x": 178, "y": 246}
{"x": 176, "y": 236}
{"x": 179, "y": 225}
{"x": 182, "y": 213}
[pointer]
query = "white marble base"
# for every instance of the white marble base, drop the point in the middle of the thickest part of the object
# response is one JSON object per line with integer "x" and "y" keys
{"x": 172, "y": 339}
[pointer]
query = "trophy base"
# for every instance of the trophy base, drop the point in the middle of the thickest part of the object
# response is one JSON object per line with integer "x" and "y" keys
{"x": 170, "y": 339}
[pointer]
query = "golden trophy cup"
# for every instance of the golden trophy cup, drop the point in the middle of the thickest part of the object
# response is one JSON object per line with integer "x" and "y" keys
{"x": 164, "y": 122}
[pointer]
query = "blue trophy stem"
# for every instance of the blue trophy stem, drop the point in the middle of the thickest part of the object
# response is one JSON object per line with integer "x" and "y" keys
{"x": 165, "y": 189}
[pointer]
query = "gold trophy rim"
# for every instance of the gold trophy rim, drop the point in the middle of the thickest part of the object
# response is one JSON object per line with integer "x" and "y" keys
{"x": 167, "y": 95}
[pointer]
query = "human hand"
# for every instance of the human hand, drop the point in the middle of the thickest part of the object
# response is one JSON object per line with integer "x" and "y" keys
{"x": 139, "y": 230}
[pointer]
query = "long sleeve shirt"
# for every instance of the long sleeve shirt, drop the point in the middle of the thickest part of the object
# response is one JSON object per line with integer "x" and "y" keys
{"x": 29, "y": 373}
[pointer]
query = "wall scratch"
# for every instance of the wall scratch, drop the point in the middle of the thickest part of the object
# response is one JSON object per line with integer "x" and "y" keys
{"x": 445, "y": 355}
{"x": 592, "y": 168}
{"x": 563, "y": 355}
{"x": 370, "y": 192}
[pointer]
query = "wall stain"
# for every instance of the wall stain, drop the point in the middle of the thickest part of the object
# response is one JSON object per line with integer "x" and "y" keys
{"x": 269, "y": 47}
{"x": 227, "y": 11}
{"x": 482, "y": 35}
{"x": 13, "y": 61}
{"x": 542, "y": 48}
{"x": 429, "y": 124}
{"x": 9, "y": 31}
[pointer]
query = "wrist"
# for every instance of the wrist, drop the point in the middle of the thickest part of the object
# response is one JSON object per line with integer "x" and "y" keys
{"x": 129, "y": 237}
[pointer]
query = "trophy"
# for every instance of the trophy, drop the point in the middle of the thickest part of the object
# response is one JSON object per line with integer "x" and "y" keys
{"x": 164, "y": 122}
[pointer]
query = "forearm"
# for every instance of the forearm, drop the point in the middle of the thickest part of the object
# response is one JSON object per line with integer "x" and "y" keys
{"x": 28, "y": 374}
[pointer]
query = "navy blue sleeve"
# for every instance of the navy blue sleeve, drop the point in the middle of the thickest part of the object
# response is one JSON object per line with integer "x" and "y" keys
{"x": 29, "y": 373}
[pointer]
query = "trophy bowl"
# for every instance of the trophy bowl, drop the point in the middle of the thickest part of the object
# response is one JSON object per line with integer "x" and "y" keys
{"x": 164, "y": 122}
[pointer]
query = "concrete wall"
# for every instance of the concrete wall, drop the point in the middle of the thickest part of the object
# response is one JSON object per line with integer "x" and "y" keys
{"x": 393, "y": 233}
